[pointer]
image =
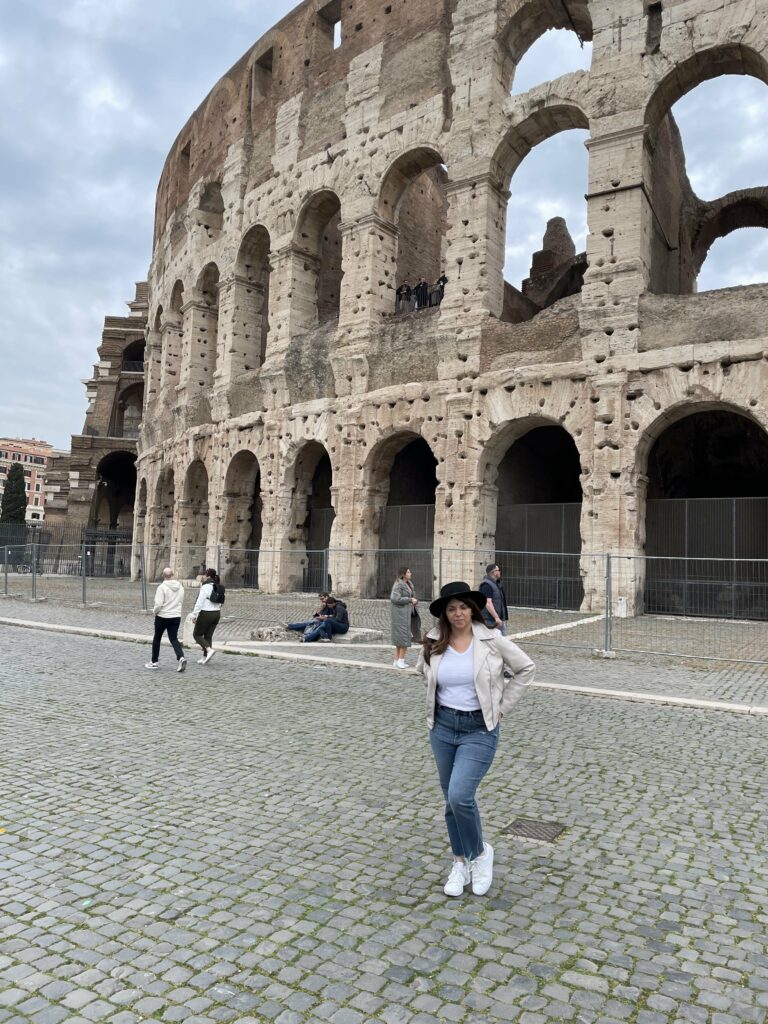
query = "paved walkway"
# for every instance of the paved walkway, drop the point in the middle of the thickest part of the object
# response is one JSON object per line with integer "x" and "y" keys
{"x": 256, "y": 841}
{"x": 727, "y": 682}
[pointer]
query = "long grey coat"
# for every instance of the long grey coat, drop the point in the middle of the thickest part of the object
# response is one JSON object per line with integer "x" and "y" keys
{"x": 400, "y": 607}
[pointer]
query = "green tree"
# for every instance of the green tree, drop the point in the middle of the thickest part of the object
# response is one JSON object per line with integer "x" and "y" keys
{"x": 14, "y": 505}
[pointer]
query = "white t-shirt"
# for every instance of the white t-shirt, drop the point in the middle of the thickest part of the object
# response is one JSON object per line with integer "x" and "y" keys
{"x": 456, "y": 680}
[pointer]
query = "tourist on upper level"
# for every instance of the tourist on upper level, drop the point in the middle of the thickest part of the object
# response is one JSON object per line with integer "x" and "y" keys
{"x": 438, "y": 291}
{"x": 421, "y": 293}
{"x": 403, "y": 297}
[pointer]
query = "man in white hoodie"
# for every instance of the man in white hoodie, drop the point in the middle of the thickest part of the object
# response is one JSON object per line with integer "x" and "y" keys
{"x": 167, "y": 608}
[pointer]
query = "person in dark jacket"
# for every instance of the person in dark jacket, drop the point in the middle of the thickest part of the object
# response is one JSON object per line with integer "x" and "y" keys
{"x": 421, "y": 294}
{"x": 335, "y": 619}
{"x": 495, "y": 612}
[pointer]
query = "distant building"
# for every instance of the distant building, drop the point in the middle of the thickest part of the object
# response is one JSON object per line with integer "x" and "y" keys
{"x": 35, "y": 457}
{"x": 93, "y": 486}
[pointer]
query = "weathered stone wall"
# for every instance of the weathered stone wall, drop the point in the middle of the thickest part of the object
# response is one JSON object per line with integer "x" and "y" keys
{"x": 299, "y": 137}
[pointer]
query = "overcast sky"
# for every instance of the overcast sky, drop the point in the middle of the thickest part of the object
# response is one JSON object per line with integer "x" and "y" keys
{"x": 93, "y": 93}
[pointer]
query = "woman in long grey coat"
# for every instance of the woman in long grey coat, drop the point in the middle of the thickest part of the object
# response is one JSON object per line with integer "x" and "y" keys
{"x": 406, "y": 623}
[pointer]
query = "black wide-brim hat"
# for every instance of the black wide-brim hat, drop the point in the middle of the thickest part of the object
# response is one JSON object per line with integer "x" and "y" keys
{"x": 460, "y": 591}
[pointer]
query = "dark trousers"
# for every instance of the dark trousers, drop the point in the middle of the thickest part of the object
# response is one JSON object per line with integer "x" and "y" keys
{"x": 325, "y": 629}
{"x": 161, "y": 625}
{"x": 204, "y": 629}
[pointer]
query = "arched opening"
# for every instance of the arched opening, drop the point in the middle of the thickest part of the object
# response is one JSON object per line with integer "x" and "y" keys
{"x": 193, "y": 522}
{"x": 557, "y": 52}
{"x": 126, "y": 419}
{"x": 139, "y": 528}
{"x": 110, "y": 529}
{"x": 318, "y": 240}
{"x": 706, "y": 508}
{"x": 722, "y": 88}
{"x": 242, "y": 525}
{"x": 413, "y": 200}
{"x": 251, "y": 301}
{"x": 530, "y": 21}
{"x": 538, "y": 516}
{"x": 401, "y": 474}
{"x": 173, "y": 337}
{"x": 542, "y": 253}
{"x": 158, "y": 555}
{"x": 312, "y": 515}
{"x": 205, "y": 328}
{"x": 133, "y": 357}
{"x": 737, "y": 258}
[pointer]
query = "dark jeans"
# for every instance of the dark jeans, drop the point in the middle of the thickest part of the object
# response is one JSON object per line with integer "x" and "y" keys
{"x": 172, "y": 625}
{"x": 325, "y": 629}
{"x": 204, "y": 629}
{"x": 464, "y": 751}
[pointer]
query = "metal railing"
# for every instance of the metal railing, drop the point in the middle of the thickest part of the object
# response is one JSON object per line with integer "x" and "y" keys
{"x": 697, "y": 608}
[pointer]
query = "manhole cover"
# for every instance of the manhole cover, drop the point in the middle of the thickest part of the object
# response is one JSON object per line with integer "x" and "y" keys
{"x": 528, "y": 828}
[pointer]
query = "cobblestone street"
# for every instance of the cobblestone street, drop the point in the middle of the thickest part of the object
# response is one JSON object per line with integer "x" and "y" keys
{"x": 259, "y": 841}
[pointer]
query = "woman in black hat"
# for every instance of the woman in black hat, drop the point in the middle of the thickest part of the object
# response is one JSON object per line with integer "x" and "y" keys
{"x": 468, "y": 695}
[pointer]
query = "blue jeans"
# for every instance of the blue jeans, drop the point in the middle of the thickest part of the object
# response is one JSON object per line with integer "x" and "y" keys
{"x": 325, "y": 629}
{"x": 301, "y": 626}
{"x": 464, "y": 751}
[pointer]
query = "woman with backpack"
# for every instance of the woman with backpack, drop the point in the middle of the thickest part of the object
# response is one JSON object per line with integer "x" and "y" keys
{"x": 206, "y": 614}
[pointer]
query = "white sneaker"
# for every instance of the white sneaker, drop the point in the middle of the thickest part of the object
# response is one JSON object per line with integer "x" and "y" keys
{"x": 209, "y": 655}
{"x": 182, "y": 665}
{"x": 402, "y": 663}
{"x": 458, "y": 878}
{"x": 151, "y": 664}
{"x": 201, "y": 661}
{"x": 481, "y": 870}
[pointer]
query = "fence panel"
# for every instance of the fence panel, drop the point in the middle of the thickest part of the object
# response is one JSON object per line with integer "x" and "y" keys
{"x": 710, "y": 608}
{"x": 545, "y": 592}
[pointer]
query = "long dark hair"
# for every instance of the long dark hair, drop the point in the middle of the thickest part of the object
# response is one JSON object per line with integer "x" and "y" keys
{"x": 430, "y": 646}
{"x": 211, "y": 576}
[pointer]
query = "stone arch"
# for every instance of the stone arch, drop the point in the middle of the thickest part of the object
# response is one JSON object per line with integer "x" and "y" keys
{"x": 522, "y": 22}
{"x": 704, "y": 470}
{"x": 172, "y": 335}
{"x": 556, "y": 270}
{"x": 161, "y": 519}
{"x": 204, "y": 328}
{"x": 400, "y": 482}
{"x": 531, "y": 471}
{"x": 193, "y": 521}
{"x": 251, "y": 300}
{"x": 127, "y": 413}
{"x": 308, "y": 490}
{"x": 521, "y": 138}
{"x": 711, "y": 62}
{"x": 115, "y": 492}
{"x": 413, "y": 201}
{"x": 241, "y": 529}
{"x": 317, "y": 240}
{"x": 746, "y": 208}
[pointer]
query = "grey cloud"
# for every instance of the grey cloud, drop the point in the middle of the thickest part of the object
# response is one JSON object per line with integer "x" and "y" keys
{"x": 93, "y": 93}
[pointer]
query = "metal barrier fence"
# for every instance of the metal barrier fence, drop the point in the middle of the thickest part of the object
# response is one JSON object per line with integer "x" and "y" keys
{"x": 714, "y": 609}
{"x": 697, "y": 608}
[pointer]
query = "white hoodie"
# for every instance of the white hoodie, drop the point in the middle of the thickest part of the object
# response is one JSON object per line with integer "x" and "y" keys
{"x": 168, "y": 600}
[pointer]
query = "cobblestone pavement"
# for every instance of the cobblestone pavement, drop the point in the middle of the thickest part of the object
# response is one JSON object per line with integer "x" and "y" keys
{"x": 247, "y": 609}
{"x": 258, "y": 841}
{"x": 739, "y": 683}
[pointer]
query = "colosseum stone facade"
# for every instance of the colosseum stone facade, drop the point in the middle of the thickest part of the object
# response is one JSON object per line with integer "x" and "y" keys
{"x": 288, "y": 409}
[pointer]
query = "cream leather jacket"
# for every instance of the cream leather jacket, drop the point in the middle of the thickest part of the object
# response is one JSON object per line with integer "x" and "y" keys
{"x": 491, "y": 653}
